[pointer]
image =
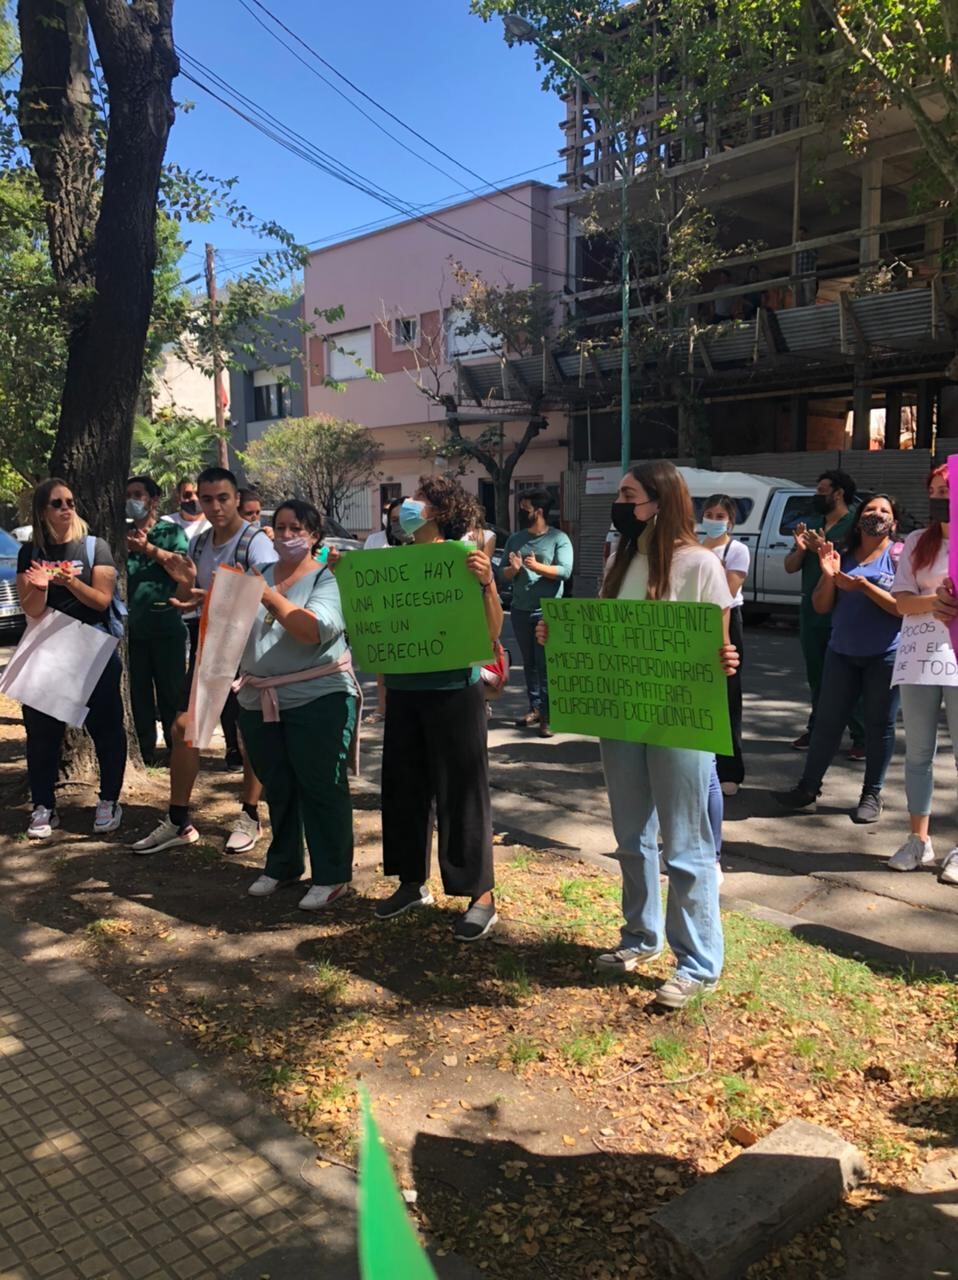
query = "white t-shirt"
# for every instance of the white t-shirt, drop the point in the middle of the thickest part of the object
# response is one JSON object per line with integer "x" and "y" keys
{"x": 192, "y": 528}
{"x": 736, "y": 557}
{"x": 376, "y": 541}
{"x": 261, "y": 553}
{"x": 696, "y": 577}
{"x": 925, "y": 654}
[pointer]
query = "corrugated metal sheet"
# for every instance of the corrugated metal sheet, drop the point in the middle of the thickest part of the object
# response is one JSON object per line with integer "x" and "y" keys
{"x": 900, "y": 473}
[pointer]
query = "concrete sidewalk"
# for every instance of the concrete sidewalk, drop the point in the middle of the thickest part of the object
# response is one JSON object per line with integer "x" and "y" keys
{"x": 825, "y": 877}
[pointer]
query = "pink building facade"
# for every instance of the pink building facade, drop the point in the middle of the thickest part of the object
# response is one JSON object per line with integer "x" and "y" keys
{"x": 396, "y": 288}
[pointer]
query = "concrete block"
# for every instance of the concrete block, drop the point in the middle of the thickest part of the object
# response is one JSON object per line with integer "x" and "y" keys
{"x": 785, "y": 1184}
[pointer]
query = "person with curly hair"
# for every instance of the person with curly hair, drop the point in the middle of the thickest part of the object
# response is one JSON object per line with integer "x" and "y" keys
{"x": 435, "y": 763}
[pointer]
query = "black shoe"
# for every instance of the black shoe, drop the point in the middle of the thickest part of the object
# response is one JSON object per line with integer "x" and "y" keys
{"x": 797, "y": 798}
{"x": 801, "y": 743}
{"x": 475, "y": 923}
{"x": 528, "y": 721}
{"x": 233, "y": 761}
{"x": 405, "y": 898}
{"x": 869, "y": 808}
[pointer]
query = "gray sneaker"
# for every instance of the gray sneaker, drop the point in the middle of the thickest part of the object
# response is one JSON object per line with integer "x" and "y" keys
{"x": 624, "y": 960}
{"x": 475, "y": 923}
{"x": 678, "y": 991}
{"x": 405, "y": 898}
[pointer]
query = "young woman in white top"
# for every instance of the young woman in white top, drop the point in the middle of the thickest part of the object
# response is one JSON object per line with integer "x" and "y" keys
{"x": 654, "y": 788}
{"x": 718, "y": 521}
{"x": 927, "y": 671}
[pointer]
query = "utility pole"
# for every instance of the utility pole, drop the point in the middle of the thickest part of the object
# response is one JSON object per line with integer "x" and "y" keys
{"x": 219, "y": 407}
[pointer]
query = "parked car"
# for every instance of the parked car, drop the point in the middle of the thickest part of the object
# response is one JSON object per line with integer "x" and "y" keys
{"x": 12, "y": 619}
{"x": 767, "y": 509}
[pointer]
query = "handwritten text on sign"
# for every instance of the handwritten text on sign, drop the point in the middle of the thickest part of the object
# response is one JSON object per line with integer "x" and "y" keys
{"x": 925, "y": 655}
{"x": 638, "y": 671}
{"x": 413, "y": 609}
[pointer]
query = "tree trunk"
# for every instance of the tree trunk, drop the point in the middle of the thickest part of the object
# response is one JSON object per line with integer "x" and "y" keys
{"x": 501, "y": 487}
{"x": 103, "y": 251}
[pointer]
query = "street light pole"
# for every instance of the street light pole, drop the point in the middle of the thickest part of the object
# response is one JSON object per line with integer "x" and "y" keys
{"x": 523, "y": 32}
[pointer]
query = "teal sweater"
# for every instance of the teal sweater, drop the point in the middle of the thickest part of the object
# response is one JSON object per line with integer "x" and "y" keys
{"x": 552, "y": 548}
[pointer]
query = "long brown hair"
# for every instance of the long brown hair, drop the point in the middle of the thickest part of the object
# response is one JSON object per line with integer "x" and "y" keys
{"x": 42, "y": 537}
{"x": 674, "y": 525}
{"x": 926, "y": 549}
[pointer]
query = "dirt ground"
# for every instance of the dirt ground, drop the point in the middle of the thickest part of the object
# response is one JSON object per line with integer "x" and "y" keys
{"x": 540, "y": 1113}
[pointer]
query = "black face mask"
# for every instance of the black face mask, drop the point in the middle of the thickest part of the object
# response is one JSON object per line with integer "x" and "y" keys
{"x": 396, "y": 536}
{"x": 624, "y": 521}
{"x": 190, "y": 508}
{"x": 526, "y": 518}
{"x": 939, "y": 510}
{"x": 822, "y": 503}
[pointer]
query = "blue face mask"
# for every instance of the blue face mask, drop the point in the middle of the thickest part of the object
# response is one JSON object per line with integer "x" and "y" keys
{"x": 411, "y": 515}
{"x": 136, "y": 508}
{"x": 714, "y": 528}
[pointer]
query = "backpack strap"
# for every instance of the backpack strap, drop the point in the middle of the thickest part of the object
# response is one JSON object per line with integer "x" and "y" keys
{"x": 199, "y": 546}
{"x": 243, "y": 546}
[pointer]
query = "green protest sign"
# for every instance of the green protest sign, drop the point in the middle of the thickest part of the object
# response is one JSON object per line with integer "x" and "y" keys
{"x": 413, "y": 609}
{"x": 388, "y": 1247}
{"x": 638, "y": 671}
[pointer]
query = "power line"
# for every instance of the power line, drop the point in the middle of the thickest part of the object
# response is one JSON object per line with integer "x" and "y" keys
{"x": 298, "y": 145}
{"x": 385, "y": 110}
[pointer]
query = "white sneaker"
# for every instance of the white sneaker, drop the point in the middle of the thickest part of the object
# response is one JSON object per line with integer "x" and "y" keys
{"x": 108, "y": 817}
{"x": 42, "y": 823}
{"x": 244, "y": 835}
{"x": 265, "y": 885}
{"x": 914, "y": 854}
{"x": 624, "y": 960}
{"x": 166, "y": 836}
{"x": 322, "y": 895}
{"x": 729, "y": 788}
{"x": 949, "y": 868}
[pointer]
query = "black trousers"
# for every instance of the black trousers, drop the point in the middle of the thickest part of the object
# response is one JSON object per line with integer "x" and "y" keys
{"x": 732, "y": 768}
{"x": 435, "y": 764}
{"x": 104, "y": 723}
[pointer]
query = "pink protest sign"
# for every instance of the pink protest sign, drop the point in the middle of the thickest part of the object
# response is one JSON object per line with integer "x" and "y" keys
{"x": 953, "y": 540}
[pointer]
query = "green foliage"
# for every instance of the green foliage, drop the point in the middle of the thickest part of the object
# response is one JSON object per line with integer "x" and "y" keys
{"x": 520, "y": 319}
{"x": 172, "y": 446}
{"x": 321, "y": 459}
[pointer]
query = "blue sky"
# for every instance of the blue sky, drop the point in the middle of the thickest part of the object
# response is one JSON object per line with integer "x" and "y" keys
{"x": 430, "y": 62}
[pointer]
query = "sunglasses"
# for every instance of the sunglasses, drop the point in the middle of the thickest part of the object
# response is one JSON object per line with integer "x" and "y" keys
{"x": 58, "y": 503}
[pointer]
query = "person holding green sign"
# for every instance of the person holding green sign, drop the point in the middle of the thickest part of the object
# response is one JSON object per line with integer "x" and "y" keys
{"x": 434, "y": 746}
{"x": 656, "y": 789}
{"x": 298, "y": 714}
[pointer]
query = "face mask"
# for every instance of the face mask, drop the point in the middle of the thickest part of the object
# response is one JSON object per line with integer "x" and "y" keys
{"x": 714, "y": 528}
{"x": 624, "y": 521}
{"x": 822, "y": 503}
{"x": 136, "y": 508}
{"x": 875, "y": 525}
{"x": 293, "y": 549}
{"x": 396, "y": 536}
{"x": 939, "y": 510}
{"x": 255, "y": 524}
{"x": 526, "y": 518}
{"x": 190, "y": 508}
{"x": 411, "y": 516}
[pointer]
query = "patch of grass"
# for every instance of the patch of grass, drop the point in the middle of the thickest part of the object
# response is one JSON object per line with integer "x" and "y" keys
{"x": 328, "y": 980}
{"x": 521, "y": 1051}
{"x": 588, "y": 1046}
{"x": 884, "y": 1149}
{"x": 512, "y": 970}
{"x": 806, "y": 1047}
{"x": 559, "y": 948}
{"x": 278, "y": 1075}
{"x": 672, "y": 1054}
{"x": 521, "y": 861}
{"x": 202, "y": 855}
{"x": 595, "y": 900}
{"x": 107, "y": 931}
{"x": 449, "y": 985}
{"x": 740, "y": 1101}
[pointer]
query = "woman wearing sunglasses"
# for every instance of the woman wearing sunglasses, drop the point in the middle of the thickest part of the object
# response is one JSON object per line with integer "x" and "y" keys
{"x": 63, "y": 568}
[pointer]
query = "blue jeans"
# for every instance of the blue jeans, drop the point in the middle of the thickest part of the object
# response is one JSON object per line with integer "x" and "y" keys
{"x": 716, "y": 807}
{"x": 665, "y": 787}
{"x": 845, "y": 680}
{"x": 920, "y": 708}
{"x": 533, "y": 658}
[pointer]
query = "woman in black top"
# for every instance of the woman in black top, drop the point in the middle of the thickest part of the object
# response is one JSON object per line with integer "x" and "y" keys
{"x": 64, "y": 569}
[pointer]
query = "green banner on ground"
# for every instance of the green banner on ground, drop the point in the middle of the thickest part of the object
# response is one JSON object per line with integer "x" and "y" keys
{"x": 388, "y": 1246}
{"x": 413, "y": 609}
{"x": 638, "y": 671}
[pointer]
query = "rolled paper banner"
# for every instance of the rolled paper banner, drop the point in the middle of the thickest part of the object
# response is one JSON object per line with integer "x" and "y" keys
{"x": 953, "y": 541}
{"x": 388, "y": 1246}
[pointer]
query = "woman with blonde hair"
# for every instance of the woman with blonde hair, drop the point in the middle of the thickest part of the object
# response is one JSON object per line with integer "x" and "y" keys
{"x": 65, "y": 569}
{"x": 655, "y": 789}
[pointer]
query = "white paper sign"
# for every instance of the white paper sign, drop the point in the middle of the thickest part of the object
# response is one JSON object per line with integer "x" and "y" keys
{"x": 925, "y": 655}
{"x": 56, "y": 666}
{"x": 228, "y": 617}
